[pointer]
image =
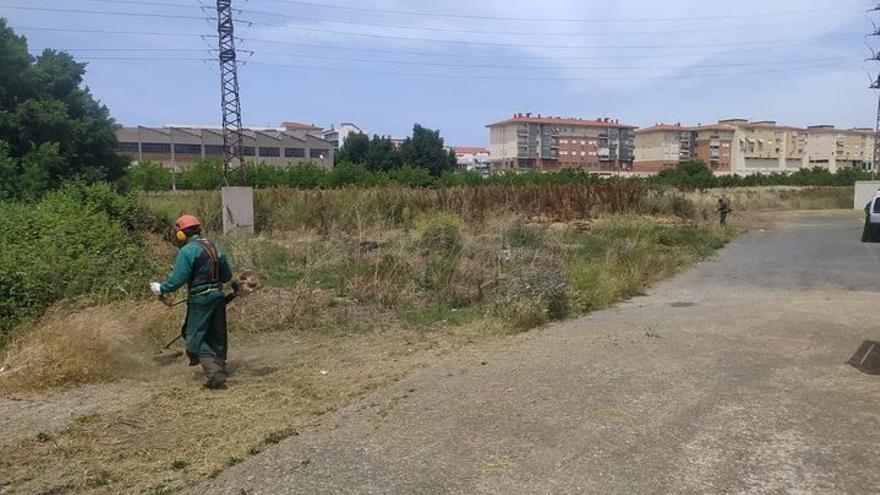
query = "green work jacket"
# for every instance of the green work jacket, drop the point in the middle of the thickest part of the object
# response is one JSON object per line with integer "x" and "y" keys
{"x": 183, "y": 269}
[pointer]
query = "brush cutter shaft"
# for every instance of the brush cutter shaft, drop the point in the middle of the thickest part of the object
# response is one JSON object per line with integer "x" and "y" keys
{"x": 228, "y": 299}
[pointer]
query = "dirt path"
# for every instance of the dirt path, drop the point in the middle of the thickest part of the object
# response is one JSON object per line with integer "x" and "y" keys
{"x": 727, "y": 379}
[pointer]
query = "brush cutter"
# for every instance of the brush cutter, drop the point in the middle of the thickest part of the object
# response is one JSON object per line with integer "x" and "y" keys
{"x": 242, "y": 285}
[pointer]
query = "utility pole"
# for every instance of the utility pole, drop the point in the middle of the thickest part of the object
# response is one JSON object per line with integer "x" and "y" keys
{"x": 876, "y": 86}
{"x": 230, "y": 102}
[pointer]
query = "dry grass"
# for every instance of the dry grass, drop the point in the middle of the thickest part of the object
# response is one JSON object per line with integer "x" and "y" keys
{"x": 95, "y": 344}
{"x": 779, "y": 198}
{"x": 277, "y": 389}
{"x": 350, "y": 209}
{"x": 361, "y": 300}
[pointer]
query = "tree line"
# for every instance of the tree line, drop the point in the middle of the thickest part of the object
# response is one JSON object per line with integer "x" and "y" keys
{"x": 53, "y": 131}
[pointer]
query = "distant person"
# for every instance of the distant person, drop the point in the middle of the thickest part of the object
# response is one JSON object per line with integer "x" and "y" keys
{"x": 203, "y": 268}
{"x": 723, "y": 210}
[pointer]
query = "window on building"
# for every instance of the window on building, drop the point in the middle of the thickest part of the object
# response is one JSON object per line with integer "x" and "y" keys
{"x": 319, "y": 153}
{"x": 127, "y": 147}
{"x": 270, "y": 151}
{"x": 294, "y": 152}
{"x": 214, "y": 150}
{"x": 187, "y": 149}
{"x": 158, "y": 148}
{"x": 248, "y": 151}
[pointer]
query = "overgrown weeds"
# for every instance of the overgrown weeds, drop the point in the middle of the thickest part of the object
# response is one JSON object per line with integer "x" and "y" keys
{"x": 82, "y": 240}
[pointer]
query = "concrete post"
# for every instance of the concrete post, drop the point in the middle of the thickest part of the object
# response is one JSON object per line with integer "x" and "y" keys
{"x": 238, "y": 209}
{"x": 865, "y": 191}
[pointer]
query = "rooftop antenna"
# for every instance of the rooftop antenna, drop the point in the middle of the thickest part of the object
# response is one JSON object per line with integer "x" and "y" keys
{"x": 230, "y": 101}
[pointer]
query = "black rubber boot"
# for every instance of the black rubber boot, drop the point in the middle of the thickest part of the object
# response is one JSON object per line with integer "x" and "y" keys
{"x": 215, "y": 372}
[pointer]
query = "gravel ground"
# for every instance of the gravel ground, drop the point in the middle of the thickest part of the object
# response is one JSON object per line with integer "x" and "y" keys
{"x": 730, "y": 378}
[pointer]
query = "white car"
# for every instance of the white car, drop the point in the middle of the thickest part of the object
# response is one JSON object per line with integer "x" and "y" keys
{"x": 872, "y": 209}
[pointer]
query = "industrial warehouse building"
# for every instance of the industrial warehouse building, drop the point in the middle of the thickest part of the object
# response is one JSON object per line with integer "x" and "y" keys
{"x": 178, "y": 146}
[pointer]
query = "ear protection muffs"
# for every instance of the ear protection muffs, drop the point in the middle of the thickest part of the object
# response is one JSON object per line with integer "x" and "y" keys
{"x": 180, "y": 236}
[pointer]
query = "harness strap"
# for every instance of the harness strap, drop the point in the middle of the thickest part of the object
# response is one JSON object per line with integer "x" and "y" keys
{"x": 209, "y": 255}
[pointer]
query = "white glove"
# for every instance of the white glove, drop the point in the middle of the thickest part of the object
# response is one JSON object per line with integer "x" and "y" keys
{"x": 156, "y": 288}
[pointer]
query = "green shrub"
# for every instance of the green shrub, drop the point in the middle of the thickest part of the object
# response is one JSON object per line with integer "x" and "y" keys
{"x": 79, "y": 240}
{"x": 305, "y": 176}
{"x": 441, "y": 234}
{"x": 204, "y": 175}
{"x": 409, "y": 176}
{"x": 147, "y": 176}
{"x": 520, "y": 235}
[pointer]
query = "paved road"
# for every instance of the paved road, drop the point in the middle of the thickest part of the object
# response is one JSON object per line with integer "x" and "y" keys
{"x": 727, "y": 379}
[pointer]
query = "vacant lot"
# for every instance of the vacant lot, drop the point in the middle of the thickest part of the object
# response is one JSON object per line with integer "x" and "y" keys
{"x": 348, "y": 307}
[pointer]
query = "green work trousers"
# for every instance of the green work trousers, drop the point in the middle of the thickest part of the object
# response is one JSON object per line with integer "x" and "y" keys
{"x": 205, "y": 332}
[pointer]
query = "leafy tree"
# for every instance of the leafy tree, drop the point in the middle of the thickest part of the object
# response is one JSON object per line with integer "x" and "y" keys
{"x": 382, "y": 155}
{"x": 305, "y": 176}
{"x": 412, "y": 177}
{"x": 692, "y": 174}
{"x": 203, "y": 175}
{"x": 148, "y": 176}
{"x": 354, "y": 149}
{"x": 346, "y": 174}
{"x": 51, "y": 128}
{"x": 425, "y": 149}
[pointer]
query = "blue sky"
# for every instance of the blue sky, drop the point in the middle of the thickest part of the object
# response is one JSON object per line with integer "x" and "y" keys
{"x": 458, "y": 65}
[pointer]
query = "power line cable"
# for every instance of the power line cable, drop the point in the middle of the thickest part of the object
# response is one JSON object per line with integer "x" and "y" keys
{"x": 477, "y": 77}
{"x": 435, "y": 40}
{"x": 145, "y": 3}
{"x": 298, "y": 17}
{"x": 677, "y": 54}
{"x": 558, "y": 19}
{"x": 551, "y": 67}
{"x": 157, "y": 49}
{"x": 398, "y": 51}
{"x": 564, "y": 79}
{"x": 100, "y": 31}
{"x": 459, "y": 31}
{"x": 573, "y": 47}
{"x": 470, "y": 66}
{"x": 104, "y": 12}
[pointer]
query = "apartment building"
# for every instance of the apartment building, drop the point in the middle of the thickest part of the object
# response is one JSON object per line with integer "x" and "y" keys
{"x": 471, "y": 158}
{"x": 337, "y": 134}
{"x": 178, "y": 146}
{"x": 765, "y": 147}
{"x": 834, "y": 149}
{"x": 533, "y": 142}
{"x": 663, "y": 146}
{"x": 714, "y": 145}
{"x": 739, "y": 146}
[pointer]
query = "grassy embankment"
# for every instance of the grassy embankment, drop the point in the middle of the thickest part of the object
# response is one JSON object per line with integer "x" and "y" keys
{"x": 364, "y": 285}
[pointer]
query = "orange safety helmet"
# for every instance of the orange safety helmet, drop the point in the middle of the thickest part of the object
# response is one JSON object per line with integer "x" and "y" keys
{"x": 183, "y": 223}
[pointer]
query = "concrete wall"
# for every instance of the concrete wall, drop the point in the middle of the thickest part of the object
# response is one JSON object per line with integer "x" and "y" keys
{"x": 865, "y": 191}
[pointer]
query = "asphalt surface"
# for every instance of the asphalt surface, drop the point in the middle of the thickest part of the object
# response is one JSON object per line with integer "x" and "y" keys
{"x": 730, "y": 378}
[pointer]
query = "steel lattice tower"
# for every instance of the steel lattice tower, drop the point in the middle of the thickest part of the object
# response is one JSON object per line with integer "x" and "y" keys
{"x": 876, "y": 85}
{"x": 230, "y": 102}
{"x": 876, "y": 163}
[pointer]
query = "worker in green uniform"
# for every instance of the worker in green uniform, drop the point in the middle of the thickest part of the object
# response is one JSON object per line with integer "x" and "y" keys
{"x": 723, "y": 210}
{"x": 203, "y": 268}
